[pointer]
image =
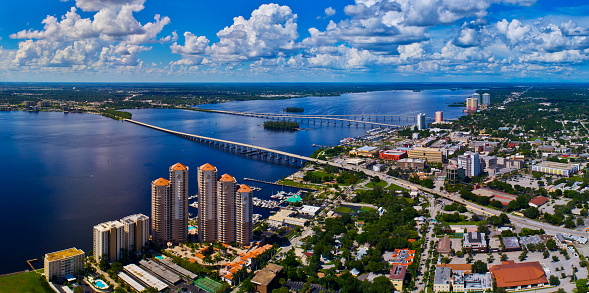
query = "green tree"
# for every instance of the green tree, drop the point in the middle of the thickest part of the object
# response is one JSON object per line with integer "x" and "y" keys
{"x": 479, "y": 267}
{"x": 103, "y": 265}
{"x": 554, "y": 281}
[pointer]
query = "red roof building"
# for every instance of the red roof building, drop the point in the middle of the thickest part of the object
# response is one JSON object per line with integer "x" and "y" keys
{"x": 393, "y": 155}
{"x": 538, "y": 201}
{"x": 511, "y": 275}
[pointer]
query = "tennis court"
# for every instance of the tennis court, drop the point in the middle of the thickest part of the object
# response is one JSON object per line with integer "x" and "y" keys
{"x": 208, "y": 284}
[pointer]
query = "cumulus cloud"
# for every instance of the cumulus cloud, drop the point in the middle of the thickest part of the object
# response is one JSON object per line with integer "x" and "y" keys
{"x": 270, "y": 32}
{"x": 329, "y": 11}
{"x": 111, "y": 38}
{"x": 515, "y": 31}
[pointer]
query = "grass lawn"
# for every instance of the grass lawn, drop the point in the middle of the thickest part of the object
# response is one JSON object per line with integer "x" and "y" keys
{"x": 394, "y": 187}
{"x": 298, "y": 184}
{"x": 25, "y": 282}
{"x": 343, "y": 210}
{"x": 371, "y": 184}
{"x": 321, "y": 173}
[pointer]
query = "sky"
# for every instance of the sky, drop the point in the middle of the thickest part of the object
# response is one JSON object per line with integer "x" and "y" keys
{"x": 294, "y": 41}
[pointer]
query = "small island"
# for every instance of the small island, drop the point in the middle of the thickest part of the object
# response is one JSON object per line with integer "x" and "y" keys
{"x": 293, "y": 109}
{"x": 281, "y": 125}
{"x": 457, "y": 104}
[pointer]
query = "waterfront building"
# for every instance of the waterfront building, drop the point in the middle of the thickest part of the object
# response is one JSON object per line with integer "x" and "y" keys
{"x": 439, "y": 116}
{"x": 169, "y": 207}
{"x": 207, "y": 203}
{"x": 64, "y": 262}
{"x": 161, "y": 228}
{"x": 136, "y": 229}
{"x": 472, "y": 104}
{"x": 486, "y": 100}
{"x": 226, "y": 190}
{"x": 365, "y": 151}
{"x": 244, "y": 212}
{"x": 112, "y": 240}
{"x": 555, "y": 168}
{"x": 179, "y": 198}
{"x": 471, "y": 164}
{"x": 477, "y": 96}
{"x": 421, "y": 125}
{"x": 108, "y": 241}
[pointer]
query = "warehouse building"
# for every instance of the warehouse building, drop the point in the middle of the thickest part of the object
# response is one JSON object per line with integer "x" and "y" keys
{"x": 555, "y": 168}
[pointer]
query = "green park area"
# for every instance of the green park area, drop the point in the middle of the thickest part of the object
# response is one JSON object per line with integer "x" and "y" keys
{"x": 31, "y": 282}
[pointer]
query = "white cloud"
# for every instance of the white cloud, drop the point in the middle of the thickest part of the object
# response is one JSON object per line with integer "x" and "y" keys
{"x": 271, "y": 31}
{"x": 515, "y": 31}
{"x": 112, "y": 38}
{"x": 329, "y": 11}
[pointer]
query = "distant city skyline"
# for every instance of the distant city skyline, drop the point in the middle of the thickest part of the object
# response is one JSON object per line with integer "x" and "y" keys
{"x": 255, "y": 41}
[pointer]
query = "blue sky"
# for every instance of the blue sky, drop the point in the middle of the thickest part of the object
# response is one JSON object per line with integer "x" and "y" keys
{"x": 296, "y": 40}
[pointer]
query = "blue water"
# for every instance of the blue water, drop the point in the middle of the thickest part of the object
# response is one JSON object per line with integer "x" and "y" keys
{"x": 64, "y": 173}
{"x": 100, "y": 284}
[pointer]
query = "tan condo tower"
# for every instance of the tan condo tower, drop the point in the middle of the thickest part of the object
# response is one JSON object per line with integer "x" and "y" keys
{"x": 207, "y": 203}
{"x": 244, "y": 211}
{"x": 226, "y": 188}
{"x": 169, "y": 207}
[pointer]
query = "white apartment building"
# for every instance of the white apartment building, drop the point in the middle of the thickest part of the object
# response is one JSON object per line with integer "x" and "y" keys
{"x": 114, "y": 239}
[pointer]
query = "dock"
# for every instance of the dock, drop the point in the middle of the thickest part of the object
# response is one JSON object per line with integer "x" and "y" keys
{"x": 277, "y": 184}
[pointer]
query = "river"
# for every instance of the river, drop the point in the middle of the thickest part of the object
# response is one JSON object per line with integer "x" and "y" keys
{"x": 64, "y": 173}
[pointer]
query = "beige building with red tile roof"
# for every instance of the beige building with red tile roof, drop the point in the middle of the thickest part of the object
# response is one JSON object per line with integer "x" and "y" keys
{"x": 169, "y": 207}
{"x": 207, "y": 203}
{"x": 511, "y": 275}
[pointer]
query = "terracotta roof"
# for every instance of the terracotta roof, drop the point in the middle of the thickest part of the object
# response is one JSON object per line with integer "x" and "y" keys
{"x": 207, "y": 167}
{"x": 200, "y": 255}
{"x": 178, "y": 167}
{"x": 539, "y": 200}
{"x": 244, "y": 188}
{"x": 398, "y": 272}
{"x": 227, "y": 178}
{"x": 510, "y": 274}
{"x": 160, "y": 182}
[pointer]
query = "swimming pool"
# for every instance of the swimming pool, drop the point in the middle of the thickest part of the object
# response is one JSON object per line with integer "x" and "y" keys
{"x": 100, "y": 284}
{"x": 159, "y": 257}
{"x": 191, "y": 228}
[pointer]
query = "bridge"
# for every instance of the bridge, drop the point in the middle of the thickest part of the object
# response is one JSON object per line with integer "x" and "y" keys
{"x": 237, "y": 147}
{"x": 277, "y": 156}
{"x": 355, "y": 119}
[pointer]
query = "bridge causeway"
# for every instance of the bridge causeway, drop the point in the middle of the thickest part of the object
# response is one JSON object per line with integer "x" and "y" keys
{"x": 350, "y": 119}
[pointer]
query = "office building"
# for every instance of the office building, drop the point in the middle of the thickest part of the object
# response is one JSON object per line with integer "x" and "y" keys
{"x": 475, "y": 241}
{"x": 472, "y": 104}
{"x": 471, "y": 164}
{"x": 421, "y": 125}
{"x": 244, "y": 211}
{"x": 414, "y": 164}
{"x": 207, "y": 203}
{"x": 428, "y": 154}
{"x": 365, "y": 151}
{"x": 267, "y": 278}
{"x": 226, "y": 188}
{"x": 477, "y": 96}
{"x": 169, "y": 207}
{"x": 392, "y": 155}
{"x": 439, "y": 116}
{"x": 113, "y": 240}
{"x": 555, "y": 168}
{"x": 64, "y": 262}
{"x": 486, "y": 99}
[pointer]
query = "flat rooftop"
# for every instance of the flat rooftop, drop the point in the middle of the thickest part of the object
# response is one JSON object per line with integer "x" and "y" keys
{"x": 510, "y": 242}
{"x": 180, "y": 270}
{"x": 134, "y": 284}
{"x": 145, "y": 277}
{"x": 66, "y": 253}
{"x": 555, "y": 165}
{"x": 160, "y": 270}
{"x": 266, "y": 275}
